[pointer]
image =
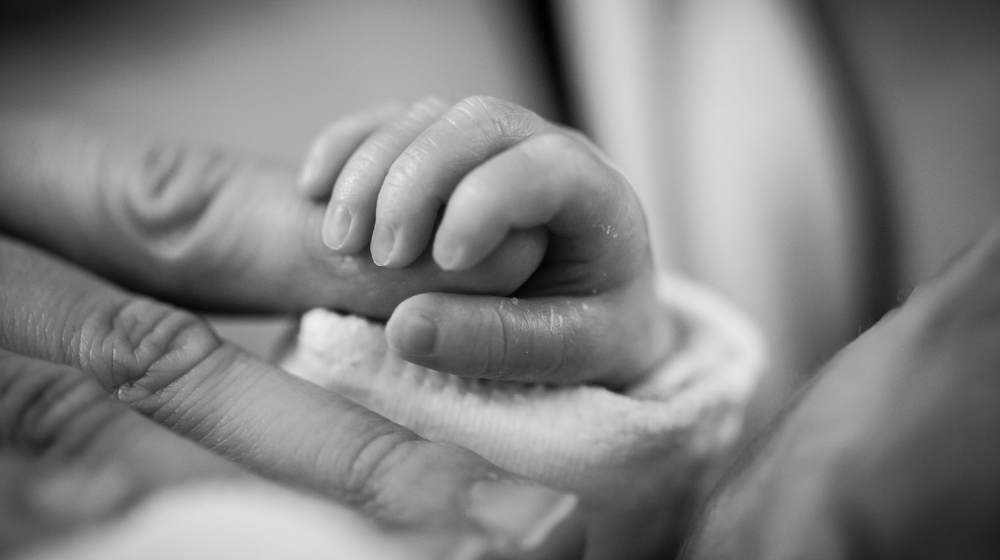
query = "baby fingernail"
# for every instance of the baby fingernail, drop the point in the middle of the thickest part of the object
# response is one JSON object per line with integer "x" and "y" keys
{"x": 447, "y": 255}
{"x": 382, "y": 241}
{"x": 338, "y": 224}
{"x": 417, "y": 336}
{"x": 530, "y": 516}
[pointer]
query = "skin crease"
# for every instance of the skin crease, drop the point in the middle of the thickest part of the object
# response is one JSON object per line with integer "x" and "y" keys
{"x": 78, "y": 460}
{"x": 893, "y": 451}
{"x": 179, "y": 221}
{"x": 194, "y": 226}
{"x": 493, "y": 171}
{"x": 197, "y": 225}
{"x": 830, "y": 542}
{"x": 204, "y": 228}
{"x": 167, "y": 365}
{"x": 216, "y": 232}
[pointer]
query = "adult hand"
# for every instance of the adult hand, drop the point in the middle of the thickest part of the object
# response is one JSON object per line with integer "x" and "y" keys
{"x": 894, "y": 451}
{"x": 206, "y": 229}
{"x": 70, "y": 341}
{"x": 586, "y": 314}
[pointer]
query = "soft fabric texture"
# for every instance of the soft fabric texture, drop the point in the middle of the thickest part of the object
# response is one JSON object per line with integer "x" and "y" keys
{"x": 636, "y": 458}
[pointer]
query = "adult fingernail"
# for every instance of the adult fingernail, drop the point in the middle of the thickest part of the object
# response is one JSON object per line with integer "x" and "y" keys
{"x": 527, "y": 515}
{"x": 414, "y": 335}
{"x": 338, "y": 224}
{"x": 382, "y": 240}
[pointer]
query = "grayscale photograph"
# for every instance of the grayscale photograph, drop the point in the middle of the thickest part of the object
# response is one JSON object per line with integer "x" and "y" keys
{"x": 500, "y": 279}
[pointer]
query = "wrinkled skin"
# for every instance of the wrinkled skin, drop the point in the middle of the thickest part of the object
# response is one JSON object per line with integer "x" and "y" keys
{"x": 893, "y": 451}
{"x": 461, "y": 182}
{"x": 195, "y": 226}
{"x": 211, "y": 231}
{"x": 81, "y": 360}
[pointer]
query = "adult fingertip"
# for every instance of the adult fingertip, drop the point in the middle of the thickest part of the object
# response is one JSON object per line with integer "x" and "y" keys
{"x": 411, "y": 334}
{"x": 528, "y": 520}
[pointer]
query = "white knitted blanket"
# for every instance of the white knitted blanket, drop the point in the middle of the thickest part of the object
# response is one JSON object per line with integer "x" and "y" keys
{"x": 636, "y": 458}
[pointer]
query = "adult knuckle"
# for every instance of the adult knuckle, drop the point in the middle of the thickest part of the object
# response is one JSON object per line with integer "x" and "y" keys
{"x": 529, "y": 344}
{"x": 140, "y": 348}
{"x": 537, "y": 345}
{"x": 547, "y": 355}
{"x": 168, "y": 194}
{"x": 43, "y": 404}
{"x": 374, "y": 464}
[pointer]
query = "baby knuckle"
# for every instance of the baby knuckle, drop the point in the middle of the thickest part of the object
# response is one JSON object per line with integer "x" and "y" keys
{"x": 358, "y": 177}
{"x": 399, "y": 176}
{"x": 423, "y": 109}
{"x": 484, "y": 103}
{"x": 480, "y": 108}
{"x": 492, "y": 118}
{"x": 368, "y": 159}
{"x": 545, "y": 146}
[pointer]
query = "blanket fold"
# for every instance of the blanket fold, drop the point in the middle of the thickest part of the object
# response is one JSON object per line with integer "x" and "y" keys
{"x": 637, "y": 458}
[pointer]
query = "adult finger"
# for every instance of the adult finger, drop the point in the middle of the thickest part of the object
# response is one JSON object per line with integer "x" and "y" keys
{"x": 204, "y": 228}
{"x": 334, "y": 144}
{"x": 422, "y": 178}
{"x": 350, "y": 217}
{"x": 168, "y": 365}
{"x": 561, "y": 340}
{"x": 894, "y": 450}
{"x": 72, "y": 458}
{"x": 60, "y": 412}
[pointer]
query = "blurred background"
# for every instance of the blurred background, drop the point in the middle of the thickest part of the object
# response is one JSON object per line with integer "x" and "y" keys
{"x": 811, "y": 160}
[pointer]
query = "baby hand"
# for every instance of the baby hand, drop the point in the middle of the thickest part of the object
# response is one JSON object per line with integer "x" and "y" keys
{"x": 586, "y": 313}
